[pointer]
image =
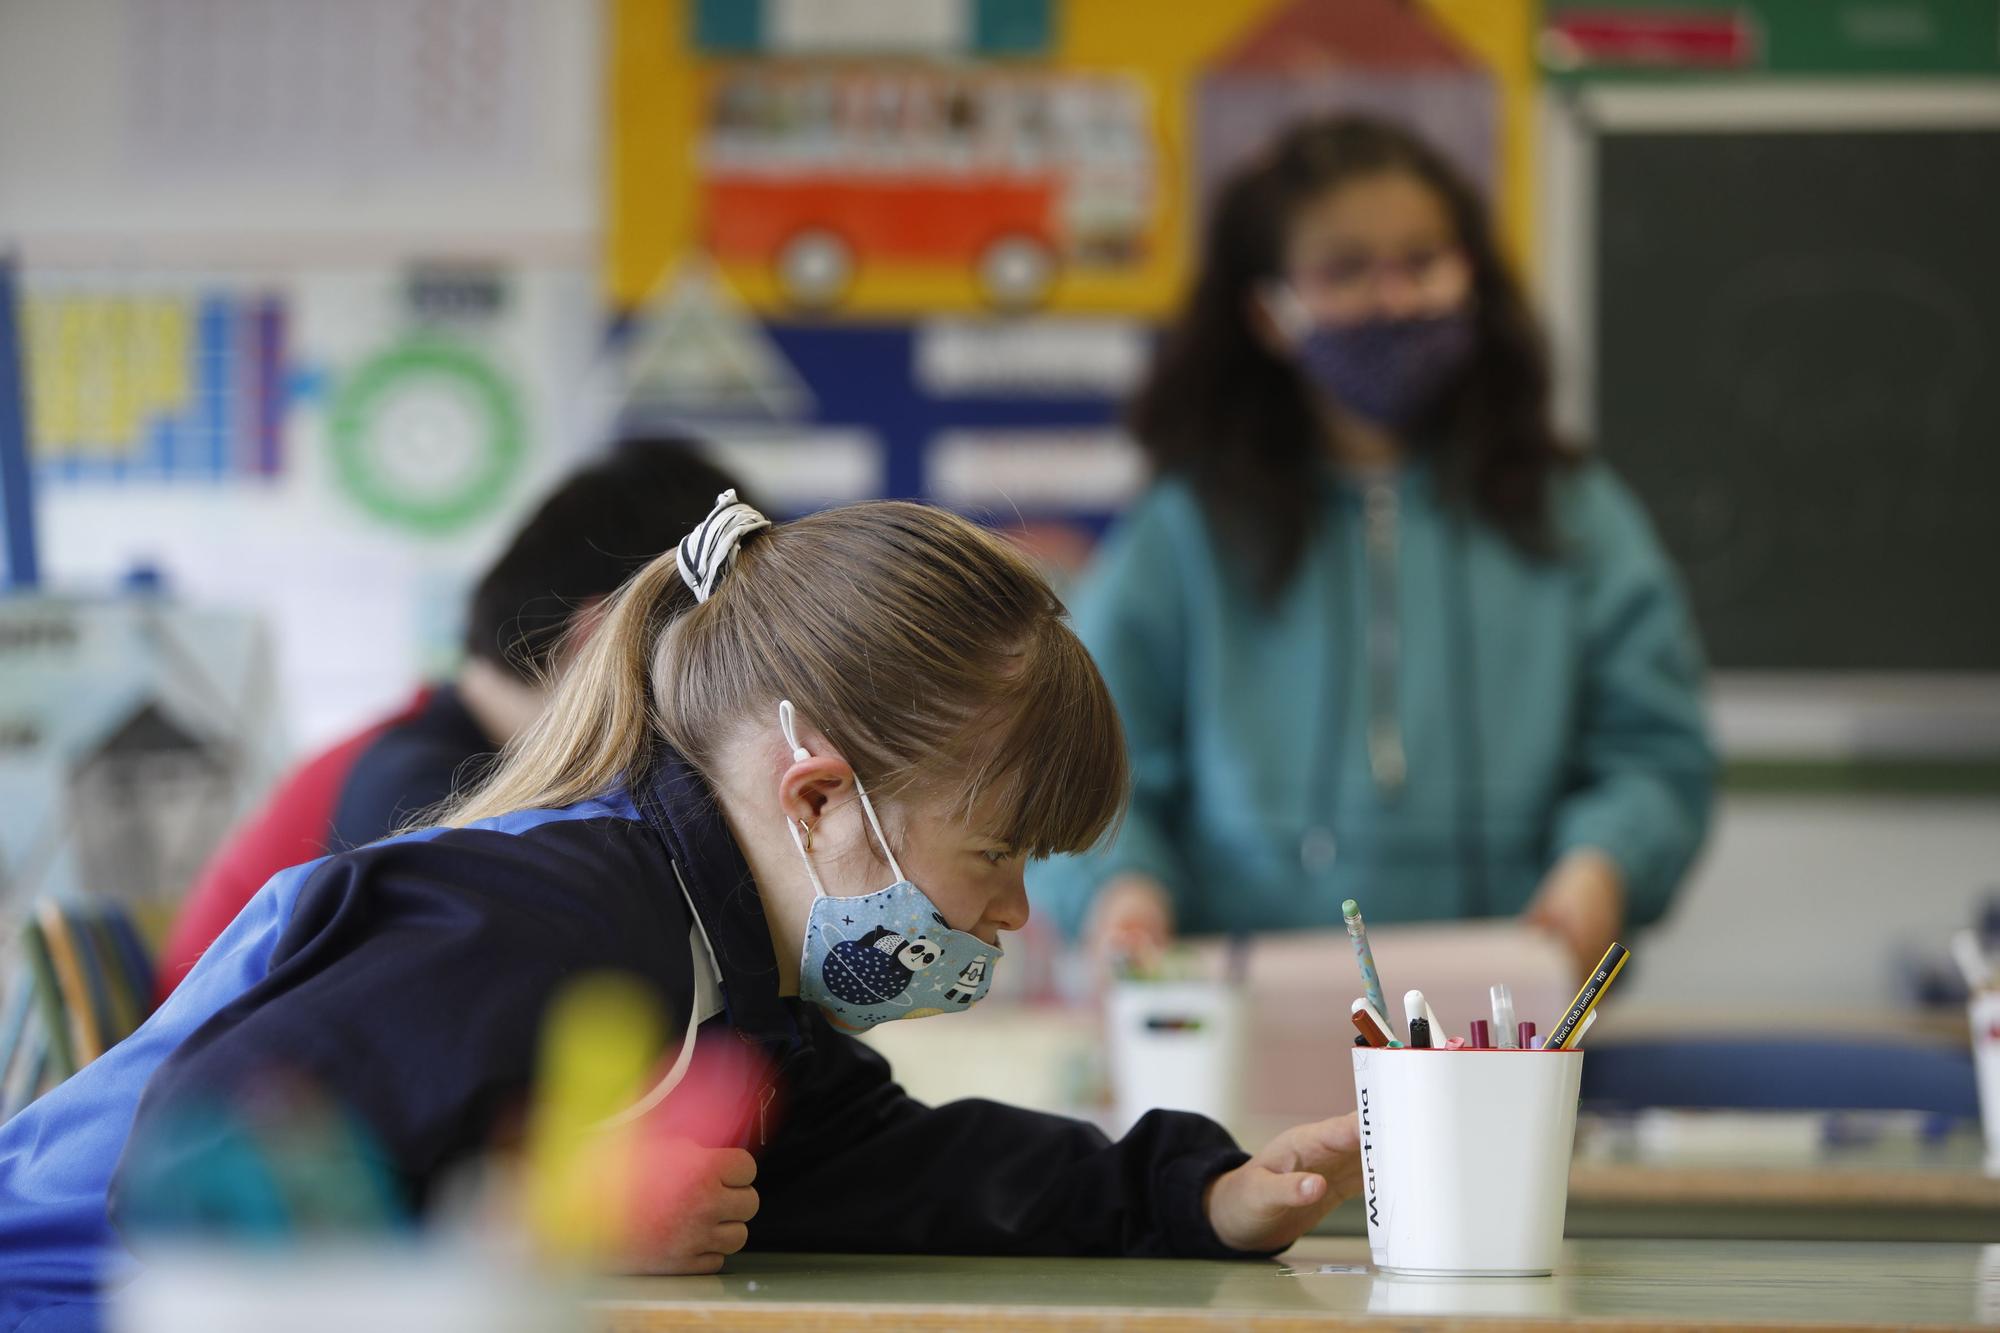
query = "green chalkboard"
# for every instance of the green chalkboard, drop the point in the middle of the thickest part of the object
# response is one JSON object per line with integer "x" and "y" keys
{"x": 1798, "y": 343}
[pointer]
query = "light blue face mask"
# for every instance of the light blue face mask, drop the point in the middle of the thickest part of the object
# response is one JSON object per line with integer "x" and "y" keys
{"x": 887, "y": 954}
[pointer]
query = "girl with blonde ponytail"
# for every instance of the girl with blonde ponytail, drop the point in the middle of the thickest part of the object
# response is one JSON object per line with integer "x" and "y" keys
{"x": 766, "y": 727}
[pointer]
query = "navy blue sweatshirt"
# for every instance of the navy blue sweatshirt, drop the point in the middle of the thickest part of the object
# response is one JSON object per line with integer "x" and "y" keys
{"x": 409, "y": 979}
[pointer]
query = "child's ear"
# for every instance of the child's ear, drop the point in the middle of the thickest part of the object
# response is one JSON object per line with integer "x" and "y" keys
{"x": 808, "y": 784}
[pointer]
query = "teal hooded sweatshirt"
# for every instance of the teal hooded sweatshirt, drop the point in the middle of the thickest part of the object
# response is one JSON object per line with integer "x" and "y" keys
{"x": 1425, "y": 719}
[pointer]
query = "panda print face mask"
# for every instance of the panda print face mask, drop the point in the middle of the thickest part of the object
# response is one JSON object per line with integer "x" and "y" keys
{"x": 887, "y": 954}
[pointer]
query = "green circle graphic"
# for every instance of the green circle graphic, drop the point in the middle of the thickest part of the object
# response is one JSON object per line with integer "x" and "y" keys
{"x": 375, "y": 386}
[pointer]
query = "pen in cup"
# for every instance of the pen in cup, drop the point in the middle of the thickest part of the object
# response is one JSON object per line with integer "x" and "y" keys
{"x": 1587, "y": 998}
{"x": 1503, "y": 1016}
{"x": 1357, "y": 934}
{"x": 1415, "y": 1011}
{"x": 1373, "y": 1027}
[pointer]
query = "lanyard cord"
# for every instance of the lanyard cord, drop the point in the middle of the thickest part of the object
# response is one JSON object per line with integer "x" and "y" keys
{"x": 1465, "y": 715}
{"x": 1470, "y": 751}
{"x": 1387, "y": 761}
{"x": 1334, "y": 695}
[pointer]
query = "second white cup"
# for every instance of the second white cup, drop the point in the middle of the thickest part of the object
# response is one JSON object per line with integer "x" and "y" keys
{"x": 1985, "y": 1016}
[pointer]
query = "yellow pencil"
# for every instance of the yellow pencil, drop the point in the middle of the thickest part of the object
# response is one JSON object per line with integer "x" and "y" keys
{"x": 1594, "y": 986}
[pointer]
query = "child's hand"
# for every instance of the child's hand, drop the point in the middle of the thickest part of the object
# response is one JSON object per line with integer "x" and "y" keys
{"x": 1281, "y": 1193}
{"x": 1132, "y": 918}
{"x": 1581, "y": 902}
{"x": 689, "y": 1208}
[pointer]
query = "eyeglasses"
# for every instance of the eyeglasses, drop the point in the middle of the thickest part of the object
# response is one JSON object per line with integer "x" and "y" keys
{"x": 1353, "y": 287}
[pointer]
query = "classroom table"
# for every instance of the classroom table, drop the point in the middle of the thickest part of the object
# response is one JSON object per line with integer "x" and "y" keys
{"x": 1324, "y": 1282}
{"x": 1892, "y": 1188}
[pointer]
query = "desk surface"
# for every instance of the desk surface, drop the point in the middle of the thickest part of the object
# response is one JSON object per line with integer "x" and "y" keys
{"x": 1893, "y": 1186}
{"x": 1636, "y": 1285}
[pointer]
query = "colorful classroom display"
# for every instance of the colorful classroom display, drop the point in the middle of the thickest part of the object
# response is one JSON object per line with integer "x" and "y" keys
{"x": 943, "y": 237}
{"x": 172, "y": 385}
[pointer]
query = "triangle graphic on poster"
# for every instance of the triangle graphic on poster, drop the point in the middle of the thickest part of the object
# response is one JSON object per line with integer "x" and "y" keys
{"x": 695, "y": 351}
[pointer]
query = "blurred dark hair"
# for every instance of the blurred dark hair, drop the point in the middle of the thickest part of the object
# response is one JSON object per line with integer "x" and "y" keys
{"x": 1239, "y": 423}
{"x": 607, "y": 520}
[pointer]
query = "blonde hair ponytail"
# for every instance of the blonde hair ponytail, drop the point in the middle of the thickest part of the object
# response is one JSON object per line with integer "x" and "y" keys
{"x": 926, "y": 650}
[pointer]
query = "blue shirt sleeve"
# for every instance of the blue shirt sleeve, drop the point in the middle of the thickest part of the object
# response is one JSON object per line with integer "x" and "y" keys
{"x": 1643, "y": 769}
{"x": 407, "y": 993}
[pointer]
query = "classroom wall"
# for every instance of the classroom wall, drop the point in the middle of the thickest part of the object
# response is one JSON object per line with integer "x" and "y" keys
{"x": 1809, "y": 905}
{"x": 180, "y": 159}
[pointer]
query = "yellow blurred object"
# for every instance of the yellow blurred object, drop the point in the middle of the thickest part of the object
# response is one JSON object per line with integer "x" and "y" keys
{"x": 601, "y": 1039}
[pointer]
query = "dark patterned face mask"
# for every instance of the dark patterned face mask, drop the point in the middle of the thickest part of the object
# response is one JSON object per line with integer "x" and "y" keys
{"x": 1387, "y": 371}
{"x": 887, "y": 954}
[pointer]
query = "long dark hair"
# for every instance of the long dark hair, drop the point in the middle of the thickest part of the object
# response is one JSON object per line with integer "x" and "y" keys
{"x": 1239, "y": 423}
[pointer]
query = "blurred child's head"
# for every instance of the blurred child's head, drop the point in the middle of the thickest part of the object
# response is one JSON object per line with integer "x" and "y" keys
{"x": 600, "y": 525}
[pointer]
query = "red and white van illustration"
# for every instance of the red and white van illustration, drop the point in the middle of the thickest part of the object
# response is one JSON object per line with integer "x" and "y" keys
{"x": 819, "y": 171}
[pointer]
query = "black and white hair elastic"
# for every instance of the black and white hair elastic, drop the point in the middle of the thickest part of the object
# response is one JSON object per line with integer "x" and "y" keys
{"x": 706, "y": 554}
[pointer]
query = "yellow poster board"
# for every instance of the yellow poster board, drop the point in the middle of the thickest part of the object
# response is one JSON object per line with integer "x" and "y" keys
{"x": 812, "y": 215}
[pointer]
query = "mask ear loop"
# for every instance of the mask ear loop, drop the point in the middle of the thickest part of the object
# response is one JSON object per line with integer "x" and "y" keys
{"x": 788, "y": 723}
{"x": 1286, "y": 310}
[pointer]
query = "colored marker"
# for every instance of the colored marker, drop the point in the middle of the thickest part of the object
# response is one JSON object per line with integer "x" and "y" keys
{"x": 1481, "y": 1040}
{"x": 1438, "y": 1033}
{"x": 1524, "y": 1034}
{"x": 1971, "y": 960}
{"x": 1374, "y": 1028}
{"x": 1357, "y": 934}
{"x": 1594, "y": 986}
{"x": 1503, "y": 1016}
{"x": 1420, "y": 1035}
{"x": 1454, "y": 1043}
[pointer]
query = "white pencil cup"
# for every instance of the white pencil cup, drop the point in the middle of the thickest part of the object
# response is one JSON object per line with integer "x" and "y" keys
{"x": 1178, "y": 1045}
{"x": 1986, "y": 1061}
{"x": 1465, "y": 1158}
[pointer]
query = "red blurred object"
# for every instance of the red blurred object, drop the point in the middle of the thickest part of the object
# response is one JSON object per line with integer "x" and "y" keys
{"x": 724, "y": 1100}
{"x": 1651, "y": 39}
{"x": 290, "y": 827}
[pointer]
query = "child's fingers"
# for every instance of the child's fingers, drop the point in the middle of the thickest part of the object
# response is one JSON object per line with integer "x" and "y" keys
{"x": 734, "y": 1167}
{"x": 1330, "y": 1144}
{"x": 1300, "y": 1189}
{"x": 729, "y": 1237}
{"x": 736, "y": 1205}
{"x": 1269, "y": 1195}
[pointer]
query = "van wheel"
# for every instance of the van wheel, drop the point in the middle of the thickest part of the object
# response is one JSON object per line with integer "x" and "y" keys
{"x": 1016, "y": 272}
{"x": 815, "y": 268}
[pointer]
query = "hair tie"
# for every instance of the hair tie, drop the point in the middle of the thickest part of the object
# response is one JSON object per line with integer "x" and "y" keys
{"x": 706, "y": 554}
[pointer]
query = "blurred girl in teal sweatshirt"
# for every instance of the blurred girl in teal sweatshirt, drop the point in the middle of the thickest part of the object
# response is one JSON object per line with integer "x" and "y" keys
{"x": 1375, "y": 631}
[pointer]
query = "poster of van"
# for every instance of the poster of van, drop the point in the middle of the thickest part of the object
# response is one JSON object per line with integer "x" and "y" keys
{"x": 820, "y": 171}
